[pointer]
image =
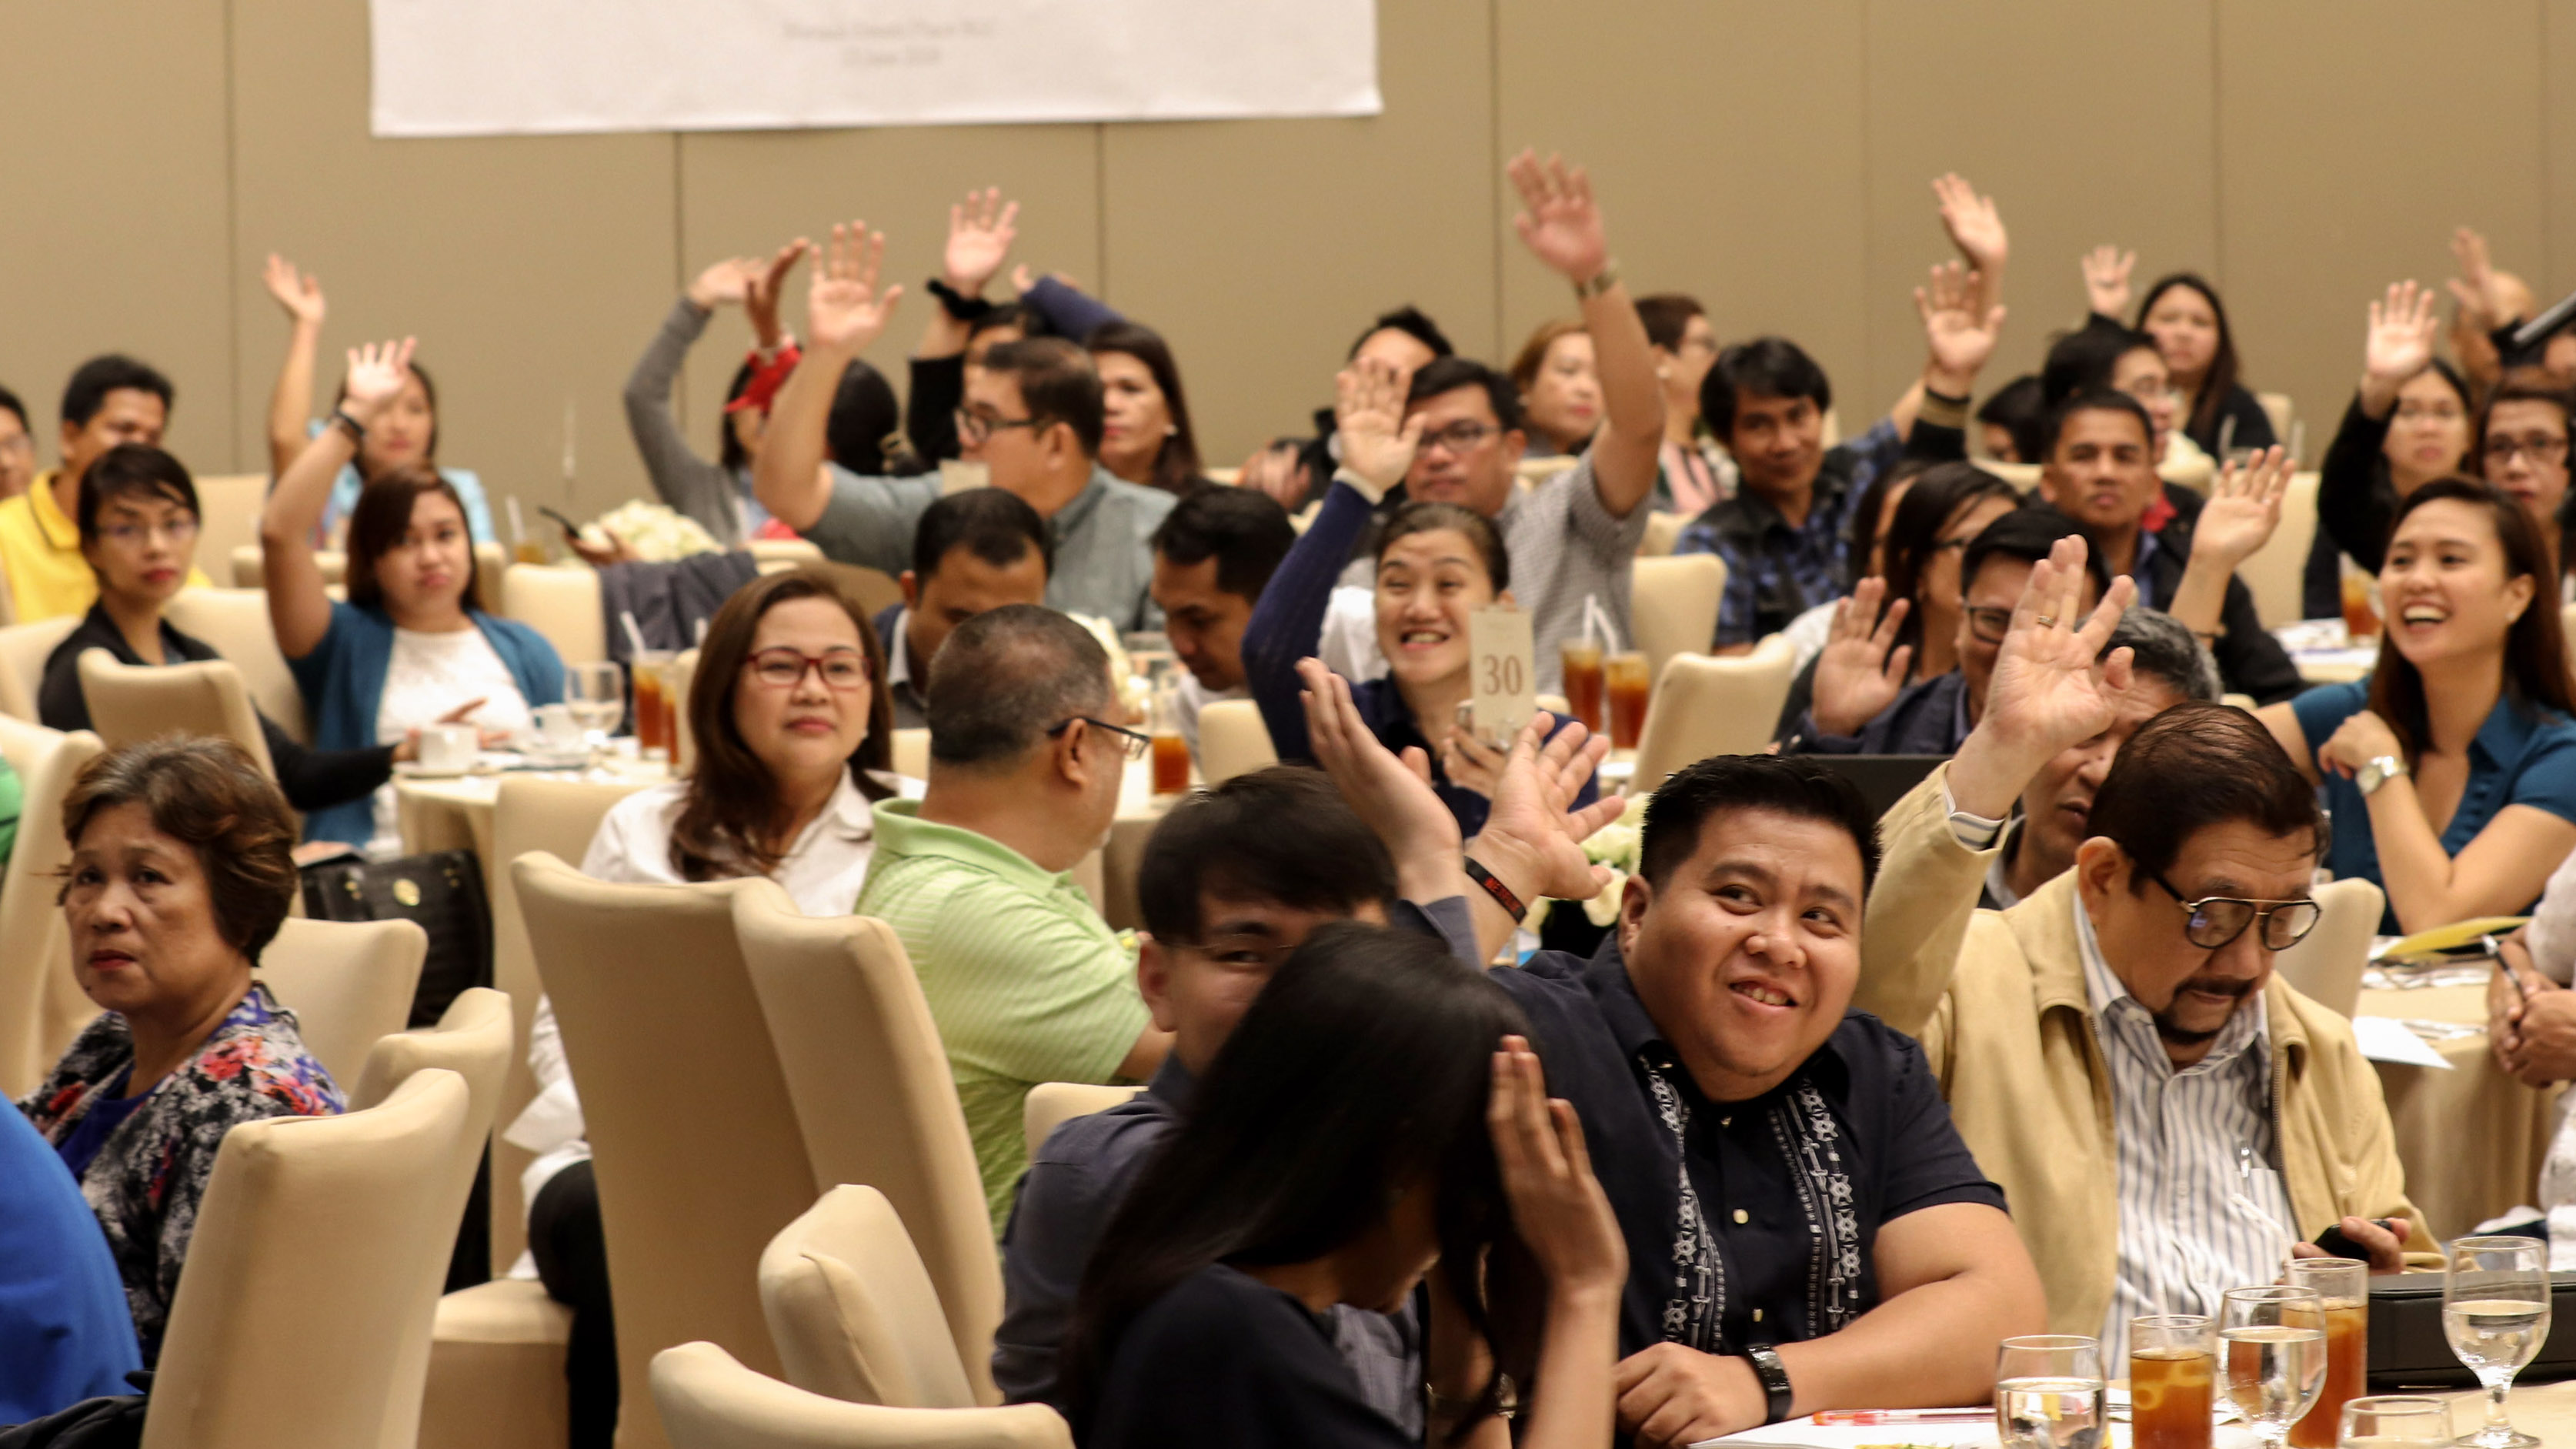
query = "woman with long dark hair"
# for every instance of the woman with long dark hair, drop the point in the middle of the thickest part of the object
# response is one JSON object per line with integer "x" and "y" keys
{"x": 1377, "y": 1117}
{"x": 1145, "y": 437}
{"x": 2409, "y": 423}
{"x": 2183, "y": 313}
{"x": 2451, "y": 771}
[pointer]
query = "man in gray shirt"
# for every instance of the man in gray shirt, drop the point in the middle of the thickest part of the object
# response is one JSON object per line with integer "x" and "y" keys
{"x": 1033, "y": 415}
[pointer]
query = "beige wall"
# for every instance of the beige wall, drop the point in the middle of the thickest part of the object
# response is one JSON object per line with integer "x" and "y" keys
{"x": 1771, "y": 158}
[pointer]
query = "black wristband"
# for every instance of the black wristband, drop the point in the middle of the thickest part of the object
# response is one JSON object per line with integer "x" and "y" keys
{"x": 957, "y": 304}
{"x": 357, "y": 430}
{"x": 1777, "y": 1397}
{"x": 1501, "y": 893}
{"x": 1943, "y": 397}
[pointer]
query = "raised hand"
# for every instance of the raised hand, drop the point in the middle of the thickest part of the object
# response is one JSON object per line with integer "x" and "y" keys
{"x": 2398, "y": 344}
{"x": 1960, "y": 337}
{"x": 1862, "y": 668}
{"x": 1276, "y": 471}
{"x": 1976, "y": 228}
{"x": 723, "y": 283}
{"x": 300, "y": 293}
{"x": 844, "y": 311}
{"x": 980, "y": 232}
{"x": 1558, "y": 1209}
{"x": 1378, "y": 440}
{"x": 2486, "y": 302}
{"x": 768, "y": 283}
{"x": 2244, "y": 507}
{"x": 376, "y": 373}
{"x": 1530, "y": 829}
{"x": 2106, "y": 279}
{"x": 1392, "y": 795}
{"x": 2048, "y": 691}
{"x": 1558, "y": 220}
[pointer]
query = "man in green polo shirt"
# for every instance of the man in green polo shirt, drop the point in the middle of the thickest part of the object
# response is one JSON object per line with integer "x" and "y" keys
{"x": 1024, "y": 980}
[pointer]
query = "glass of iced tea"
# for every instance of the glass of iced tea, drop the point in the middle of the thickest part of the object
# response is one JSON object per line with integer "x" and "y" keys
{"x": 1171, "y": 750}
{"x": 1626, "y": 680}
{"x": 2343, "y": 1285}
{"x": 2173, "y": 1370}
{"x": 652, "y": 714}
{"x": 2360, "y": 612}
{"x": 2396, "y": 1421}
{"x": 1582, "y": 662}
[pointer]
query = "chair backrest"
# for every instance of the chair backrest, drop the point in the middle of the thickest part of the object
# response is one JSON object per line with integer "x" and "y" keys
{"x": 1232, "y": 741}
{"x": 849, "y": 1023}
{"x": 250, "y": 567}
{"x": 1707, "y": 706}
{"x": 348, "y": 983}
{"x": 491, "y": 561}
{"x": 1675, "y": 606}
{"x": 558, "y": 817}
{"x": 793, "y": 552}
{"x": 228, "y": 508}
{"x": 235, "y": 622}
{"x": 1050, "y": 1105}
{"x": 1663, "y": 530}
{"x": 852, "y": 1310}
{"x": 697, "y": 1170}
{"x": 2277, "y": 572}
{"x": 2279, "y": 411}
{"x": 2567, "y": 627}
{"x": 319, "y": 1245}
{"x": 41, "y": 1007}
{"x": 560, "y": 603}
{"x": 472, "y": 1040}
{"x": 911, "y": 751}
{"x": 871, "y": 589}
{"x": 710, "y": 1401}
{"x": 677, "y": 682}
{"x": 130, "y": 703}
{"x": 23, "y": 651}
{"x": 2326, "y": 967}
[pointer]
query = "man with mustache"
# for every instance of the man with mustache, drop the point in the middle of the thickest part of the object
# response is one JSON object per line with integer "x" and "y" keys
{"x": 2163, "y": 1114}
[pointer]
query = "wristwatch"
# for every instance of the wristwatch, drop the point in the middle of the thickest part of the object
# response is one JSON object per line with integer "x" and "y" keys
{"x": 1599, "y": 282}
{"x": 2379, "y": 772}
{"x": 1777, "y": 1397}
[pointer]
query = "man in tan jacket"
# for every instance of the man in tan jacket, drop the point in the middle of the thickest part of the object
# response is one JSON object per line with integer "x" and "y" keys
{"x": 2165, "y": 1116}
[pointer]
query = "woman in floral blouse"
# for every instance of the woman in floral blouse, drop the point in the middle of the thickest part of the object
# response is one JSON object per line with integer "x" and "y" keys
{"x": 182, "y": 868}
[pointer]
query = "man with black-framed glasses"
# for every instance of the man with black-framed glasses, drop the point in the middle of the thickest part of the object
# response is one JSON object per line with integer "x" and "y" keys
{"x": 2163, "y": 1111}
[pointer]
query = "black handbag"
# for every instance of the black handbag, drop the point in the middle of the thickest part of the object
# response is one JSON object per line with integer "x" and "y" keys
{"x": 442, "y": 893}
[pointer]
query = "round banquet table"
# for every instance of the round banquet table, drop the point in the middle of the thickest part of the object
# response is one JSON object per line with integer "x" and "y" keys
{"x": 2472, "y": 1138}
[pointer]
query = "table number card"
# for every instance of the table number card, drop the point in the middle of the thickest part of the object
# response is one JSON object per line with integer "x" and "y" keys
{"x": 1506, "y": 672}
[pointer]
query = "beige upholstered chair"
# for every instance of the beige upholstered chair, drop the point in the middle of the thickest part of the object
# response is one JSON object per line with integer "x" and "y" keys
{"x": 788, "y": 552}
{"x": 250, "y": 567}
{"x": 852, "y": 1310}
{"x": 1233, "y": 740}
{"x": 2280, "y": 412}
{"x": 849, "y": 1024}
{"x": 912, "y": 751}
{"x": 871, "y": 589}
{"x": 696, "y": 1173}
{"x": 1674, "y": 606}
{"x": 235, "y": 622}
{"x": 472, "y": 1040}
{"x": 1663, "y": 530}
{"x": 348, "y": 983}
{"x": 228, "y": 508}
{"x": 41, "y": 1007}
{"x": 2277, "y": 572}
{"x": 710, "y": 1401}
{"x": 320, "y": 1243}
{"x": 496, "y": 1369}
{"x": 130, "y": 703}
{"x": 1713, "y": 706}
{"x": 23, "y": 651}
{"x": 2327, "y": 966}
{"x": 560, "y": 603}
{"x": 678, "y": 679}
{"x": 1052, "y": 1104}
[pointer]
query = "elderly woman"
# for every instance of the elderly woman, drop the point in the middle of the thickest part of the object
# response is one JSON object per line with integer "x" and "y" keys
{"x": 182, "y": 867}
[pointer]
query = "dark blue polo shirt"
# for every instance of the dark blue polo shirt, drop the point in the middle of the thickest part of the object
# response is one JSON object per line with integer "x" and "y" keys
{"x": 1794, "y": 1205}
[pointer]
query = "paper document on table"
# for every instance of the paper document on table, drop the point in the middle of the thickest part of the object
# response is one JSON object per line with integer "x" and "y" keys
{"x": 1805, "y": 1433}
{"x": 2457, "y": 936}
{"x": 2386, "y": 1039}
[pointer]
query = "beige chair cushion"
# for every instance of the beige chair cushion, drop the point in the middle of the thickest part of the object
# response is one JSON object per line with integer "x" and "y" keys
{"x": 712, "y": 1402}
{"x": 41, "y": 1007}
{"x": 1707, "y": 706}
{"x": 235, "y": 622}
{"x": 1663, "y": 530}
{"x": 24, "y": 648}
{"x": 911, "y": 751}
{"x": 1675, "y": 606}
{"x": 2277, "y": 572}
{"x": 852, "y": 1310}
{"x": 228, "y": 509}
{"x": 1233, "y": 740}
{"x": 130, "y": 703}
{"x": 2326, "y": 966}
{"x": 1050, "y": 1105}
{"x": 349, "y": 983}
{"x": 320, "y": 1242}
{"x": 560, "y": 603}
{"x": 496, "y": 1370}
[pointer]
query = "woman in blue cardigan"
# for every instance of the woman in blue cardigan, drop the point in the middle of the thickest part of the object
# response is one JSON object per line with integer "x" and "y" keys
{"x": 408, "y": 648}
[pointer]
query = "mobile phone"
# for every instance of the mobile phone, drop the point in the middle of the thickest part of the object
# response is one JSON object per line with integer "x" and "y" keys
{"x": 2339, "y": 1246}
{"x": 570, "y": 528}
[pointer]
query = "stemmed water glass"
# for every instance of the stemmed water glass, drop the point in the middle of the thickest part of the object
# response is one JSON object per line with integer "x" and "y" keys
{"x": 2272, "y": 1356}
{"x": 2048, "y": 1392}
{"x": 2495, "y": 1312}
{"x": 597, "y": 694}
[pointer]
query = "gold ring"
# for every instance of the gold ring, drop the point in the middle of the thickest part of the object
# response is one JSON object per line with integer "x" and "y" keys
{"x": 2047, "y": 621}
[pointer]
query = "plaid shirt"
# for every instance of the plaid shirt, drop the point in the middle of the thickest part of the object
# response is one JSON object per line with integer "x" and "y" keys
{"x": 1775, "y": 572}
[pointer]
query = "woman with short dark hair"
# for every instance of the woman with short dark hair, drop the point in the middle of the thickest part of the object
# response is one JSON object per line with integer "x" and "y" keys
{"x": 182, "y": 869}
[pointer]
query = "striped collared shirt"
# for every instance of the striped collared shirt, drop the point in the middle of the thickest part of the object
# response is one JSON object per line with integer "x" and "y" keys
{"x": 2202, "y": 1206}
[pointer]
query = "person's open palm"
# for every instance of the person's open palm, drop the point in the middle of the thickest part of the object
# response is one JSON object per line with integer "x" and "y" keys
{"x": 768, "y": 283}
{"x": 300, "y": 293}
{"x": 1975, "y": 226}
{"x": 1559, "y": 221}
{"x": 2479, "y": 288}
{"x": 1862, "y": 668}
{"x": 2399, "y": 343}
{"x": 1378, "y": 441}
{"x": 724, "y": 283}
{"x": 980, "y": 232}
{"x": 2244, "y": 507}
{"x": 1960, "y": 337}
{"x": 375, "y": 375}
{"x": 1558, "y": 1209}
{"x": 1531, "y": 815}
{"x": 2047, "y": 692}
{"x": 2106, "y": 279}
{"x": 843, "y": 308}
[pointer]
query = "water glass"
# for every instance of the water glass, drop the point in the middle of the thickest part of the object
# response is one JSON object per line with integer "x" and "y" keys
{"x": 597, "y": 694}
{"x": 2396, "y": 1421}
{"x": 2048, "y": 1392}
{"x": 2272, "y": 1356}
{"x": 2495, "y": 1312}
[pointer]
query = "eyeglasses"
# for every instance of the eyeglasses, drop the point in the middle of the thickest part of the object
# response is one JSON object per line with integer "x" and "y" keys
{"x": 1989, "y": 625}
{"x": 1457, "y": 437}
{"x": 1135, "y": 744}
{"x": 1241, "y": 950}
{"x": 126, "y": 535}
{"x": 2543, "y": 450}
{"x": 976, "y": 427}
{"x": 780, "y": 667}
{"x": 2216, "y": 920}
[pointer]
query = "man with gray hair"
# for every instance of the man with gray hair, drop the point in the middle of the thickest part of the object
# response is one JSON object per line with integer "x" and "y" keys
{"x": 2167, "y": 666}
{"x": 1024, "y": 980}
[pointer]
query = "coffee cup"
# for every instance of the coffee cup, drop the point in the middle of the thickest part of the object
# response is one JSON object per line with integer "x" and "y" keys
{"x": 448, "y": 749}
{"x": 558, "y": 729}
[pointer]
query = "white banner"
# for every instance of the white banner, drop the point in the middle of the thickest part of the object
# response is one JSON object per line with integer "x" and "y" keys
{"x": 500, "y": 67}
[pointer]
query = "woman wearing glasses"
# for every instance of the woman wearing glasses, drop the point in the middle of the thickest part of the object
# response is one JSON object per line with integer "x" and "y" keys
{"x": 794, "y": 746}
{"x": 2451, "y": 772}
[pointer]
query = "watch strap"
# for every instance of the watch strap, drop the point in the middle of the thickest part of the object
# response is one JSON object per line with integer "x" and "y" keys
{"x": 1599, "y": 282}
{"x": 1777, "y": 1397}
